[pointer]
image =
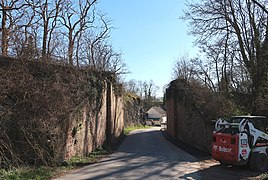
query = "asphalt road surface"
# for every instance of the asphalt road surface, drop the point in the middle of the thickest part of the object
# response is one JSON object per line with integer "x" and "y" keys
{"x": 144, "y": 154}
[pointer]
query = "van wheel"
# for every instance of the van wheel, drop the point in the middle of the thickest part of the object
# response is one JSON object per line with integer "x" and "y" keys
{"x": 258, "y": 162}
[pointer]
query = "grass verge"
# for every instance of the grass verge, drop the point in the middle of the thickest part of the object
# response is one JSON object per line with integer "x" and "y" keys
{"x": 43, "y": 172}
{"x": 128, "y": 129}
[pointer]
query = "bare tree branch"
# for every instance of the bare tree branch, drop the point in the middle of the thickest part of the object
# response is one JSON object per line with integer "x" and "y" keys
{"x": 261, "y": 6}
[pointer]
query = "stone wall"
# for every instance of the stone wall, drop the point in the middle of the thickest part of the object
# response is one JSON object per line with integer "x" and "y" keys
{"x": 92, "y": 127}
{"x": 115, "y": 116}
{"x": 133, "y": 109}
{"x": 185, "y": 123}
{"x": 51, "y": 112}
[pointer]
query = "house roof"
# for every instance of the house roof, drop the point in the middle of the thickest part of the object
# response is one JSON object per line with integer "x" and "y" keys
{"x": 158, "y": 109}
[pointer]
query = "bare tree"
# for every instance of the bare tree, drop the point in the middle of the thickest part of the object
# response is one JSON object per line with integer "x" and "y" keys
{"x": 75, "y": 19}
{"x": 11, "y": 12}
{"x": 183, "y": 68}
{"x": 105, "y": 58}
{"x": 48, "y": 12}
{"x": 33, "y": 28}
{"x": 242, "y": 23}
{"x": 98, "y": 50}
{"x": 131, "y": 86}
{"x": 261, "y": 6}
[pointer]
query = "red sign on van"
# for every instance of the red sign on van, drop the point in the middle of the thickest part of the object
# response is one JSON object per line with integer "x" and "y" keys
{"x": 244, "y": 152}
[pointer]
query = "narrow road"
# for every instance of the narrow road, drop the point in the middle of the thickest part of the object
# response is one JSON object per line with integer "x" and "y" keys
{"x": 144, "y": 154}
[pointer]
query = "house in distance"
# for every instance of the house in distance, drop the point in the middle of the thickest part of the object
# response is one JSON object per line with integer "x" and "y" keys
{"x": 154, "y": 116}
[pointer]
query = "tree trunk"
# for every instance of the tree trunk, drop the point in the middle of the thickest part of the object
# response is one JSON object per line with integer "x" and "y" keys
{"x": 4, "y": 33}
{"x": 70, "y": 52}
{"x": 44, "y": 45}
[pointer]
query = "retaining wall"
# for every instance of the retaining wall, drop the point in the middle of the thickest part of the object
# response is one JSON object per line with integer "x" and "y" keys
{"x": 185, "y": 123}
{"x": 90, "y": 128}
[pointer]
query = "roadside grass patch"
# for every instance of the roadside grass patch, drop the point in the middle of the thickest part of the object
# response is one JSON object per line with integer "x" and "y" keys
{"x": 27, "y": 173}
{"x": 77, "y": 161}
{"x": 128, "y": 129}
{"x": 44, "y": 172}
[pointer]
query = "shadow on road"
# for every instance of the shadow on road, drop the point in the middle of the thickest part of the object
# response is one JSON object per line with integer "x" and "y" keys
{"x": 145, "y": 158}
{"x": 156, "y": 166}
{"x": 211, "y": 169}
{"x": 186, "y": 147}
{"x": 142, "y": 157}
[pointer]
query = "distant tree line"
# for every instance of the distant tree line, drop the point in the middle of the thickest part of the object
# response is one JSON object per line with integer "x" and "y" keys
{"x": 72, "y": 31}
{"x": 146, "y": 91}
{"x": 140, "y": 96}
{"x": 233, "y": 39}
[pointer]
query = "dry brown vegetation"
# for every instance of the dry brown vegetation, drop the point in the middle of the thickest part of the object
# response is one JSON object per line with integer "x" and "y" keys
{"x": 192, "y": 110}
{"x": 199, "y": 98}
{"x": 36, "y": 99}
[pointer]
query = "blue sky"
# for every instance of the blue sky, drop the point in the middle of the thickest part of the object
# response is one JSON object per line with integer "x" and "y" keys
{"x": 150, "y": 35}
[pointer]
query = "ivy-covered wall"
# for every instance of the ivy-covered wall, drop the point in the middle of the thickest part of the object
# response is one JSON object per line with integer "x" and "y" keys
{"x": 50, "y": 112}
{"x": 192, "y": 110}
{"x": 90, "y": 128}
{"x": 133, "y": 109}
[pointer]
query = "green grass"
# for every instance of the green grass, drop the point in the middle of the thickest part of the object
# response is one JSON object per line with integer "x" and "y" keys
{"x": 27, "y": 173}
{"x": 128, "y": 129}
{"x": 43, "y": 172}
